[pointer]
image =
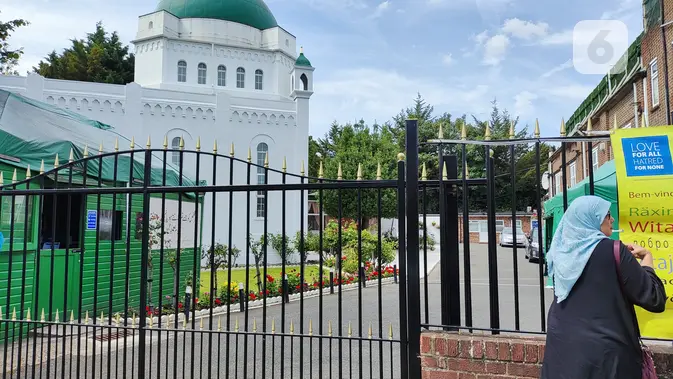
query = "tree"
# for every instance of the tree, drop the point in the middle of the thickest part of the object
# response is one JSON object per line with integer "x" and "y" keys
{"x": 99, "y": 58}
{"x": 217, "y": 256}
{"x": 352, "y": 145}
{"x": 9, "y": 58}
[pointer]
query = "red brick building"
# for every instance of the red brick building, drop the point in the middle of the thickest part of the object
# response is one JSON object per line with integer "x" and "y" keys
{"x": 634, "y": 93}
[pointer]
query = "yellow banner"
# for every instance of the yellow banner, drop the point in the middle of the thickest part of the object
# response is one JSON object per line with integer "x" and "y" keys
{"x": 644, "y": 170}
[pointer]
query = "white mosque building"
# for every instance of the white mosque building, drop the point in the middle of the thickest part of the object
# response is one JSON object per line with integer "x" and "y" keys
{"x": 219, "y": 70}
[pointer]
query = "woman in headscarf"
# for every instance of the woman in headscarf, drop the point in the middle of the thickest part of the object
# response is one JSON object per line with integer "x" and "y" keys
{"x": 592, "y": 328}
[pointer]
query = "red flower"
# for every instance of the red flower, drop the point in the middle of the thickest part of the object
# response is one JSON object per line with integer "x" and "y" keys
{"x": 180, "y": 306}
{"x": 147, "y": 308}
{"x": 253, "y": 297}
{"x": 297, "y": 287}
{"x": 269, "y": 278}
{"x": 218, "y": 301}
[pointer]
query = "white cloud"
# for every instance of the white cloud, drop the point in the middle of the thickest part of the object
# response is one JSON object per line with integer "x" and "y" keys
{"x": 562, "y": 67}
{"x": 523, "y": 103}
{"x": 576, "y": 92}
{"x": 447, "y": 59}
{"x": 495, "y": 49}
{"x": 525, "y": 30}
{"x": 381, "y": 9}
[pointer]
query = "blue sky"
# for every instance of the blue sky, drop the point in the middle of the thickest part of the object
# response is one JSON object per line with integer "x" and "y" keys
{"x": 373, "y": 56}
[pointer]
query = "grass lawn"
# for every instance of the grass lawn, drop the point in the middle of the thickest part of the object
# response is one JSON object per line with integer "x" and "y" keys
{"x": 238, "y": 275}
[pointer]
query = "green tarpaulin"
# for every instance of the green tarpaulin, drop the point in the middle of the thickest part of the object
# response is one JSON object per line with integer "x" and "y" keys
{"x": 32, "y": 132}
{"x": 605, "y": 186}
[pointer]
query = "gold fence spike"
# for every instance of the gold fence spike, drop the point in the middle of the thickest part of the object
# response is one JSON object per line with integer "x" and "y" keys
{"x": 201, "y": 323}
{"x": 56, "y": 317}
{"x": 273, "y": 325}
{"x": 614, "y": 123}
{"x": 100, "y": 148}
{"x": 563, "y": 128}
{"x": 370, "y": 333}
{"x": 118, "y": 319}
{"x": 28, "y": 314}
{"x": 102, "y": 317}
{"x": 72, "y": 316}
{"x": 378, "y": 172}
{"x": 339, "y": 172}
{"x": 133, "y": 320}
{"x": 445, "y": 175}
{"x": 86, "y": 316}
{"x": 14, "y": 314}
{"x": 116, "y": 147}
{"x": 2, "y": 180}
{"x": 14, "y": 177}
{"x": 302, "y": 171}
{"x": 182, "y": 143}
{"x": 266, "y": 160}
{"x": 254, "y": 324}
{"x": 284, "y": 168}
{"x": 321, "y": 172}
{"x": 1, "y": 314}
{"x": 133, "y": 143}
{"x": 642, "y": 122}
{"x": 511, "y": 130}
{"x": 232, "y": 150}
{"x": 198, "y": 143}
{"x": 249, "y": 155}
{"x": 359, "y": 177}
{"x": 219, "y": 324}
{"x": 215, "y": 147}
{"x": 589, "y": 126}
{"x": 537, "y": 128}
{"x": 165, "y": 141}
{"x": 463, "y": 131}
{"x": 42, "y": 167}
{"x": 329, "y": 328}
{"x": 71, "y": 158}
{"x": 291, "y": 326}
{"x": 400, "y": 157}
{"x": 151, "y": 323}
{"x": 350, "y": 329}
{"x": 184, "y": 323}
{"x": 424, "y": 173}
{"x": 310, "y": 327}
{"x": 28, "y": 172}
{"x": 487, "y": 132}
{"x": 56, "y": 161}
{"x": 148, "y": 145}
{"x": 236, "y": 325}
{"x": 390, "y": 332}
{"x": 85, "y": 154}
{"x": 441, "y": 131}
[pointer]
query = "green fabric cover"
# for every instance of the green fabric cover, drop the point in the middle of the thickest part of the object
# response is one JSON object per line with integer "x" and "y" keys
{"x": 32, "y": 131}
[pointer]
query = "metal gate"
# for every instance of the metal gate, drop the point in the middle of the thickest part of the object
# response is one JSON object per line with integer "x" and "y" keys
{"x": 160, "y": 263}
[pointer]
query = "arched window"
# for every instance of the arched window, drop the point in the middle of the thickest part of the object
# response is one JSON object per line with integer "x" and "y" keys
{"x": 202, "y": 73}
{"x": 304, "y": 81}
{"x": 262, "y": 151}
{"x": 150, "y": 25}
{"x": 221, "y": 76}
{"x": 182, "y": 71}
{"x": 259, "y": 79}
{"x": 240, "y": 77}
{"x": 175, "y": 155}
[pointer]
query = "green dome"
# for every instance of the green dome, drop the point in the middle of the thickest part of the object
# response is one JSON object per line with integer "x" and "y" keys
{"x": 302, "y": 60}
{"x": 253, "y": 13}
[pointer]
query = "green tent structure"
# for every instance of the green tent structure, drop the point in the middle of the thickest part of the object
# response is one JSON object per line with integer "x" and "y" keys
{"x": 92, "y": 262}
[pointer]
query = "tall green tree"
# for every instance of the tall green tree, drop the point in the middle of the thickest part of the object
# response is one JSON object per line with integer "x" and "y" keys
{"x": 9, "y": 58}
{"x": 100, "y": 58}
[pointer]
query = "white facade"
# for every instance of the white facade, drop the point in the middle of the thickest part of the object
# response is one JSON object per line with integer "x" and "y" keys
{"x": 272, "y": 108}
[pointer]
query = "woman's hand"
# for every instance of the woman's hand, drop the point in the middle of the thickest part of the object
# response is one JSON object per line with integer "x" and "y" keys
{"x": 638, "y": 252}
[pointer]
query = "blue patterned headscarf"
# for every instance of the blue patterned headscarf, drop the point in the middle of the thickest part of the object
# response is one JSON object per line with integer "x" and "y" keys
{"x": 574, "y": 241}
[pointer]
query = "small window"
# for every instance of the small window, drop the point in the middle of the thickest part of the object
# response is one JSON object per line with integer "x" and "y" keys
{"x": 654, "y": 82}
{"x": 240, "y": 77}
{"x": 259, "y": 79}
{"x": 182, "y": 71}
{"x": 594, "y": 159}
{"x": 557, "y": 183}
{"x": 150, "y": 25}
{"x": 499, "y": 225}
{"x": 474, "y": 226}
{"x": 221, "y": 76}
{"x": 110, "y": 225}
{"x": 262, "y": 151}
{"x": 304, "y": 82}
{"x": 573, "y": 174}
{"x": 16, "y": 212}
{"x": 202, "y": 73}
{"x": 175, "y": 155}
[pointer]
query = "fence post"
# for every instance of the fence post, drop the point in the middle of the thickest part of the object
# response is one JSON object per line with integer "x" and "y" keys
{"x": 144, "y": 258}
{"x": 413, "y": 257}
{"x": 494, "y": 301}
{"x": 449, "y": 245}
{"x": 402, "y": 260}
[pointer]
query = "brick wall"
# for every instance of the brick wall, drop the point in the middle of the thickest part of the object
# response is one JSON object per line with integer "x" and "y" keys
{"x": 450, "y": 355}
{"x": 507, "y": 219}
{"x": 653, "y": 47}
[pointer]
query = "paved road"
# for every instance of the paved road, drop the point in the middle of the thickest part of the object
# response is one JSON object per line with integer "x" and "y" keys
{"x": 379, "y": 307}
